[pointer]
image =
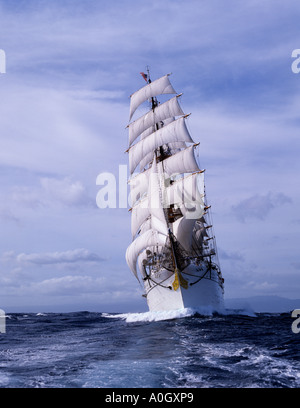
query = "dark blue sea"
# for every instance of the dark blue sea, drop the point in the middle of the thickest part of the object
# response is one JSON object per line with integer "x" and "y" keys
{"x": 148, "y": 350}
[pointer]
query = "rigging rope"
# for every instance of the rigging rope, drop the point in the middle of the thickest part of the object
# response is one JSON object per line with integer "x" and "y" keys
{"x": 156, "y": 284}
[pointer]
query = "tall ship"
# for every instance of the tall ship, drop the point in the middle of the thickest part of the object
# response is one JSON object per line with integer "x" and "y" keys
{"x": 173, "y": 252}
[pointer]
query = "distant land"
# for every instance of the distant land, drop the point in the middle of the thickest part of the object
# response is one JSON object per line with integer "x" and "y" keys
{"x": 269, "y": 304}
{"x": 254, "y": 304}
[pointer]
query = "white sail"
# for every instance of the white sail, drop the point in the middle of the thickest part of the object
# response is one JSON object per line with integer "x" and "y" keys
{"x": 174, "y": 132}
{"x": 145, "y": 160}
{"x": 188, "y": 191}
{"x": 158, "y": 225}
{"x": 199, "y": 234}
{"x": 138, "y": 186}
{"x": 150, "y": 205}
{"x": 185, "y": 193}
{"x": 176, "y": 147}
{"x": 148, "y": 239}
{"x": 153, "y": 223}
{"x": 168, "y": 120}
{"x": 139, "y": 213}
{"x": 145, "y": 226}
{"x": 182, "y": 162}
{"x": 145, "y": 216}
{"x": 164, "y": 111}
{"x": 152, "y": 129}
{"x": 183, "y": 231}
{"x": 158, "y": 87}
{"x": 155, "y": 194}
{"x": 143, "y": 256}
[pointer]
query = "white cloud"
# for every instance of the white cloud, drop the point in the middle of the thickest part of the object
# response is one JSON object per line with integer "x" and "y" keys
{"x": 49, "y": 192}
{"x": 66, "y": 191}
{"x": 71, "y": 256}
{"x": 265, "y": 287}
{"x": 70, "y": 285}
{"x": 259, "y": 206}
{"x": 230, "y": 255}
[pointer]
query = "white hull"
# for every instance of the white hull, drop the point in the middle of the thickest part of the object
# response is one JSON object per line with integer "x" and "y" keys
{"x": 205, "y": 295}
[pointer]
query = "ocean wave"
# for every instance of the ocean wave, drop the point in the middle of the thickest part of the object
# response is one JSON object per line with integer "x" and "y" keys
{"x": 156, "y": 316}
{"x": 247, "y": 311}
{"x": 188, "y": 349}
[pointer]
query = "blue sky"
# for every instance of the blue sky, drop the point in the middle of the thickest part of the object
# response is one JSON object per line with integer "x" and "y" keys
{"x": 70, "y": 68}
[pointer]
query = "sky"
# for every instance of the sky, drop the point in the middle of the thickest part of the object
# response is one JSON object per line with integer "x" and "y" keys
{"x": 70, "y": 69}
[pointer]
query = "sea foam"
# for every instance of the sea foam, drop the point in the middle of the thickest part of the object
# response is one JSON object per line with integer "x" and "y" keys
{"x": 156, "y": 316}
{"x": 160, "y": 315}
